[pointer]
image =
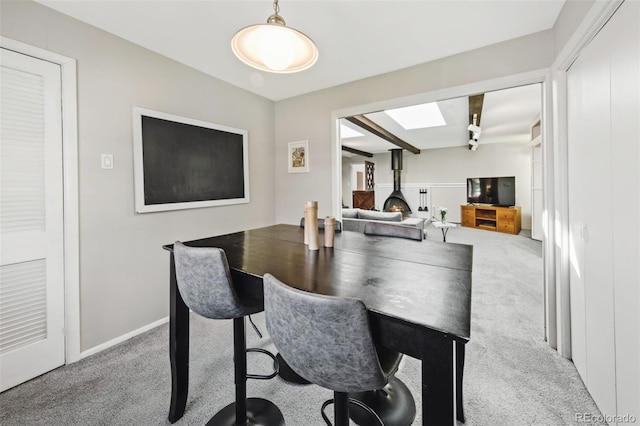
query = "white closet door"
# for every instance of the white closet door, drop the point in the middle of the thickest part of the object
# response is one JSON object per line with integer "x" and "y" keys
{"x": 598, "y": 254}
{"x": 31, "y": 219}
{"x": 625, "y": 212}
{"x": 577, "y": 170}
{"x": 590, "y": 216}
{"x": 603, "y": 171}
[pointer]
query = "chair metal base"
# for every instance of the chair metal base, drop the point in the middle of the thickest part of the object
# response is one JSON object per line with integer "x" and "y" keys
{"x": 260, "y": 412}
{"x": 287, "y": 374}
{"x": 394, "y": 404}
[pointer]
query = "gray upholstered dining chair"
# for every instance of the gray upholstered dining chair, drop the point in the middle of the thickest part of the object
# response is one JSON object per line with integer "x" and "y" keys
{"x": 328, "y": 341}
{"x": 389, "y": 230}
{"x": 204, "y": 282}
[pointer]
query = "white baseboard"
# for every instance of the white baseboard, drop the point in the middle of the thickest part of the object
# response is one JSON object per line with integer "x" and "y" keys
{"x": 122, "y": 338}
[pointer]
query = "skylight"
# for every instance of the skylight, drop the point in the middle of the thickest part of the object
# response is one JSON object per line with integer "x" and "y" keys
{"x": 418, "y": 116}
{"x": 348, "y": 132}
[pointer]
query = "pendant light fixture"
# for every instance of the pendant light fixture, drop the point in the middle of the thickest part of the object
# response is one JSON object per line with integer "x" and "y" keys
{"x": 274, "y": 47}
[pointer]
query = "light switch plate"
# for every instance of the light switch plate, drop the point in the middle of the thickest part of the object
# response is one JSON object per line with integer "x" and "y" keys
{"x": 106, "y": 160}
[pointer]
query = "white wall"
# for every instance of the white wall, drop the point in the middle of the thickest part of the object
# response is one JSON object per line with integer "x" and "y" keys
{"x": 571, "y": 15}
{"x": 455, "y": 165}
{"x": 124, "y": 271}
{"x": 346, "y": 180}
{"x": 309, "y": 116}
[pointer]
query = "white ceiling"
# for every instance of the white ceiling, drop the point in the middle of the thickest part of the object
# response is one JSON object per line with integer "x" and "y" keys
{"x": 356, "y": 38}
{"x": 507, "y": 116}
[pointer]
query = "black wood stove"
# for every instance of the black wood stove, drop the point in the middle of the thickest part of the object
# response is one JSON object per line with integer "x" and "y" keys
{"x": 396, "y": 201}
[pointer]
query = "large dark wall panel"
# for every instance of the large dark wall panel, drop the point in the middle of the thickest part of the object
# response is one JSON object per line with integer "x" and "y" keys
{"x": 185, "y": 163}
{"x": 188, "y": 163}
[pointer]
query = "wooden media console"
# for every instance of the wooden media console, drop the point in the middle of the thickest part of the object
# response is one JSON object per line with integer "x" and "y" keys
{"x": 491, "y": 218}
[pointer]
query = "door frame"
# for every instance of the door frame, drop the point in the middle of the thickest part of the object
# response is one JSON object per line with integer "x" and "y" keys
{"x": 71, "y": 233}
{"x": 541, "y": 76}
{"x": 555, "y": 219}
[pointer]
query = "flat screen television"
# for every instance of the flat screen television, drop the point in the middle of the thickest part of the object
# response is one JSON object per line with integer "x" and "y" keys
{"x": 497, "y": 191}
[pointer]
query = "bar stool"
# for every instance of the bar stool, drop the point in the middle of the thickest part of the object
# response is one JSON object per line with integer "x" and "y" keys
{"x": 204, "y": 282}
{"x": 328, "y": 341}
{"x": 286, "y": 373}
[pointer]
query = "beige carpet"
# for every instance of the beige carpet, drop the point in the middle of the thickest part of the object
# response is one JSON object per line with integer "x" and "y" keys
{"x": 511, "y": 376}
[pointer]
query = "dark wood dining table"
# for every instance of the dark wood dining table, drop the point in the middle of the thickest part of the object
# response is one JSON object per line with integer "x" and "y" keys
{"x": 418, "y": 294}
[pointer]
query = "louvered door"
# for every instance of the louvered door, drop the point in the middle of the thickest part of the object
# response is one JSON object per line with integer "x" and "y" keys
{"x": 31, "y": 219}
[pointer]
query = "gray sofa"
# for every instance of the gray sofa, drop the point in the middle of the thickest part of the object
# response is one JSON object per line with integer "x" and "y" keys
{"x": 355, "y": 219}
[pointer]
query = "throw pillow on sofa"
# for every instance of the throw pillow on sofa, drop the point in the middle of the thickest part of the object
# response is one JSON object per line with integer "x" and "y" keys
{"x": 350, "y": 213}
{"x": 373, "y": 215}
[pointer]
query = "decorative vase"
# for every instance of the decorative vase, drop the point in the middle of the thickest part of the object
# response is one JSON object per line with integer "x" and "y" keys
{"x": 311, "y": 225}
{"x": 329, "y": 230}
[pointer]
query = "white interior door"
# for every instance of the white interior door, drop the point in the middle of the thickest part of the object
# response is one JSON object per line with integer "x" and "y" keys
{"x": 603, "y": 107}
{"x": 625, "y": 136}
{"x": 578, "y": 199}
{"x": 590, "y": 185}
{"x": 536, "y": 191}
{"x": 31, "y": 219}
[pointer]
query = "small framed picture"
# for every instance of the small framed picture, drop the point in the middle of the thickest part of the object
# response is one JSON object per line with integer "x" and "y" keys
{"x": 298, "y": 157}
